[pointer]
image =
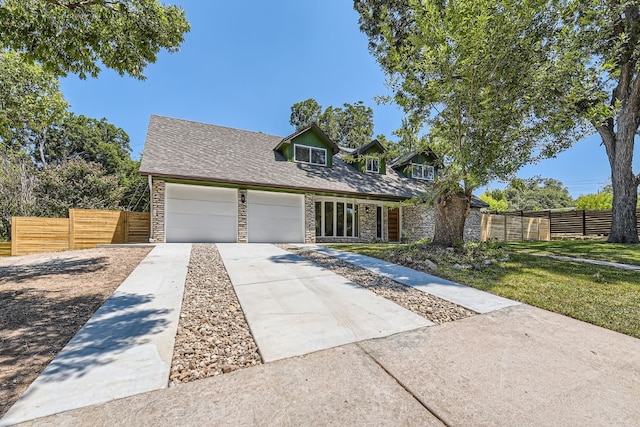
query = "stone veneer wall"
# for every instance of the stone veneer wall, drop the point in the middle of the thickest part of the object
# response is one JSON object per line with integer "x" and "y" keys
{"x": 309, "y": 218}
{"x": 157, "y": 211}
{"x": 243, "y": 233}
{"x": 367, "y": 222}
{"x": 473, "y": 226}
{"x": 418, "y": 222}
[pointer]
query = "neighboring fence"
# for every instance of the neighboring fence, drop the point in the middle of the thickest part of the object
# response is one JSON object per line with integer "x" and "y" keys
{"x": 504, "y": 228}
{"x": 586, "y": 223}
{"x": 85, "y": 228}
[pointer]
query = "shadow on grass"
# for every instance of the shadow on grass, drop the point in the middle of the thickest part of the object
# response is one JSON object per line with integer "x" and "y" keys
{"x": 28, "y": 271}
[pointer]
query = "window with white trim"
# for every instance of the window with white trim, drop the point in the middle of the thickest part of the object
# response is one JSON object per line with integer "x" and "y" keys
{"x": 421, "y": 171}
{"x": 336, "y": 219}
{"x": 373, "y": 165}
{"x": 311, "y": 155}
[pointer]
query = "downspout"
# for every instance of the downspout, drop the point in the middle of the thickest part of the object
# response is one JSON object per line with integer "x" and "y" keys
{"x": 151, "y": 236}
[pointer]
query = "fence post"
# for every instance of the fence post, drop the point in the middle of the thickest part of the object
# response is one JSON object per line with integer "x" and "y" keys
{"x": 72, "y": 235}
{"x": 14, "y": 236}
{"x": 584, "y": 223}
{"x": 126, "y": 227}
{"x": 505, "y": 228}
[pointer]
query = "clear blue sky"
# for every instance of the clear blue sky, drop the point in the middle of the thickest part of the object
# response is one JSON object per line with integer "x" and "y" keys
{"x": 245, "y": 63}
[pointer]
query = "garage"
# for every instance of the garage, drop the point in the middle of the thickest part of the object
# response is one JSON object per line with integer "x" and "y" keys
{"x": 198, "y": 214}
{"x": 275, "y": 217}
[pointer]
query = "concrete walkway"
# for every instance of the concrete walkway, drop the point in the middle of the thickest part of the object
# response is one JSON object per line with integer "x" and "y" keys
{"x": 471, "y": 298}
{"x": 520, "y": 366}
{"x": 124, "y": 349}
{"x": 295, "y": 307}
{"x": 593, "y": 261}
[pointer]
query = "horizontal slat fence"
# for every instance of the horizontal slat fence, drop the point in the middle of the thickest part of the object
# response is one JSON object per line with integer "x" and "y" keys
{"x": 5, "y": 248}
{"x": 31, "y": 235}
{"x": 504, "y": 228}
{"x": 85, "y": 228}
{"x": 586, "y": 223}
{"x": 138, "y": 227}
{"x": 89, "y": 228}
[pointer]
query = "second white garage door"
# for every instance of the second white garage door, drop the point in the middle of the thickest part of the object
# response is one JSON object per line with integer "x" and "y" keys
{"x": 196, "y": 213}
{"x": 275, "y": 217}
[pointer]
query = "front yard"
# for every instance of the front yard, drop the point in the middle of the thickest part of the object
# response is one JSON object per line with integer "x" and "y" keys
{"x": 603, "y": 296}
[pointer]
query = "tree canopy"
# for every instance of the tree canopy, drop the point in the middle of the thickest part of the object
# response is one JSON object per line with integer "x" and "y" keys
{"x": 532, "y": 194}
{"x": 468, "y": 71}
{"x": 70, "y": 36}
{"x": 349, "y": 126}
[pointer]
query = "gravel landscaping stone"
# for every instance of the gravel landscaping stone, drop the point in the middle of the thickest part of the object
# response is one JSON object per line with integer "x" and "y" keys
{"x": 213, "y": 335}
{"x": 428, "y": 306}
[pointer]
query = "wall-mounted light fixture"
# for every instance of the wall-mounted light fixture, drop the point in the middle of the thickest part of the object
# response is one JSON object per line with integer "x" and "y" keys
{"x": 242, "y": 198}
{"x": 366, "y": 209}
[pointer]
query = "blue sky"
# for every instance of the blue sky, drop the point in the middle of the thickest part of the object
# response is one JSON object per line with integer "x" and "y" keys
{"x": 245, "y": 63}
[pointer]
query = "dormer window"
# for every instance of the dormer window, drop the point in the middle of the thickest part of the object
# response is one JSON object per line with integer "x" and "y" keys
{"x": 312, "y": 155}
{"x": 422, "y": 171}
{"x": 373, "y": 165}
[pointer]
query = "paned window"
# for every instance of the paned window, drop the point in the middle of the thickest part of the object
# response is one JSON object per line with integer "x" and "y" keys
{"x": 373, "y": 165}
{"x": 312, "y": 155}
{"x": 336, "y": 219}
{"x": 420, "y": 171}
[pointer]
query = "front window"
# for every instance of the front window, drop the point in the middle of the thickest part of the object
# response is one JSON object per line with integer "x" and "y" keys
{"x": 420, "y": 171}
{"x": 336, "y": 219}
{"x": 373, "y": 165}
{"x": 379, "y": 222}
{"x": 312, "y": 155}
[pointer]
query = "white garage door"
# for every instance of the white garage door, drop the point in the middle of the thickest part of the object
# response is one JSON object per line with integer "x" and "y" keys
{"x": 200, "y": 214}
{"x": 275, "y": 217}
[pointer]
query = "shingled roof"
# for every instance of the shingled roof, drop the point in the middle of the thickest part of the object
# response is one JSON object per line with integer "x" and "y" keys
{"x": 188, "y": 150}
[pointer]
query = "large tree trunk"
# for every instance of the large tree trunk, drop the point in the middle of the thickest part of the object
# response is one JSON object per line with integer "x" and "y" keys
{"x": 451, "y": 212}
{"x": 619, "y": 147}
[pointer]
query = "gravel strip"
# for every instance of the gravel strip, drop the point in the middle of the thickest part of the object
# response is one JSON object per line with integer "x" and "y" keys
{"x": 426, "y": 305}
{"x": 213, "y": 335}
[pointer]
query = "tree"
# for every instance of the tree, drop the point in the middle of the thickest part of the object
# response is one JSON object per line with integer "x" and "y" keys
{"x": 17, "y": 183}
{"x": 495, "y": 204}
{"x": 534, "y": 194}
{"x": 30, "y": 101}
{"x": 76, "y": 184}
{"x": 593, "y": 74}
{"x": 597, "y": 202}
{"x": 469, "y": 70}
{"x": 351, "y": 126}
{"x": 71, "y": 36}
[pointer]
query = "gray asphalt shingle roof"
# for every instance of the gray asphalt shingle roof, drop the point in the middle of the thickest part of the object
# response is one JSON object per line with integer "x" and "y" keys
{"x": 183, "y": 149}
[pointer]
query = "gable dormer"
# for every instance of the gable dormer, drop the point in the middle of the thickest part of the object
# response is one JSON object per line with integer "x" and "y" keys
{"x": 417, "y": 165}
{"x": 369, "y": 158}
{"x": 309, "y": 145}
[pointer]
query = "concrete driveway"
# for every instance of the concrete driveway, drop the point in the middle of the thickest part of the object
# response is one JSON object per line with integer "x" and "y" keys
{"x": 517, "y": 365}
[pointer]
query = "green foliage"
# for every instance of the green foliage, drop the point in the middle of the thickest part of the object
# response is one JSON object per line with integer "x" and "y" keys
{"x": 76, "y": 184}
{"x": 351, "y": 126}
{"x": 74, "y": 36}
{"x": 534, "y": 194}
{"x": 595, "y": 202}
{"x": 17, "y": 182}
{"x": 30, "y": 97}
{"x": 500, "y": 205}
{"x": 469, "y": 71}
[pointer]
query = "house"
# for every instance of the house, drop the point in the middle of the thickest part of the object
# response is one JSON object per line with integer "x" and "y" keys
{"x": 216, "y": 184}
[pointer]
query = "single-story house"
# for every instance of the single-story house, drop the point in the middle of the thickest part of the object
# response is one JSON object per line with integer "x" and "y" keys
{"x": 217, "y": 184}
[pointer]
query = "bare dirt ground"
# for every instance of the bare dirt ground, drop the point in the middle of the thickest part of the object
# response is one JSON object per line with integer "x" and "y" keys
{"x": 44, "y": 300}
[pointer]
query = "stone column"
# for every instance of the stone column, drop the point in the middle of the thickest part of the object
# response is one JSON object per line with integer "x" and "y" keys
{"x": 309, "y": 218}
{"x": 157, "y": 221}
{"x": 243, "y": 233}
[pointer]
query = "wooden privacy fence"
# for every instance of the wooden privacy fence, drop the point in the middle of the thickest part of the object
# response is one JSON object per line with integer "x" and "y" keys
{"x": 586, "y": 223}
{"x": 504, "y": 228}
{"x": 85, "y": 228}
{"x": 5, "y": 248}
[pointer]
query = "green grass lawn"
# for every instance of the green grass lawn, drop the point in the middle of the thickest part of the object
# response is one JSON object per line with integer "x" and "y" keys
{"x": 594, "y": 249}
{"x": 603, "y": 296}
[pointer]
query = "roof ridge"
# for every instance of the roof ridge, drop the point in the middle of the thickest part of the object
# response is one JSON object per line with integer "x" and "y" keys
{"x": 214, "y": 125}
